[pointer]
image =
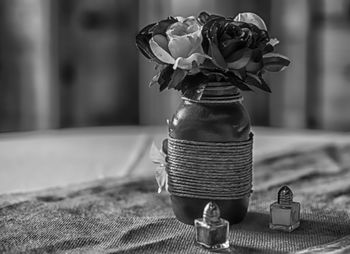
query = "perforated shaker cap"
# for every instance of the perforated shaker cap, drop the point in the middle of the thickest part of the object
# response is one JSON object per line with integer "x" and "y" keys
{"x": 211, "y": 213}
{"x": 285, "y": 196}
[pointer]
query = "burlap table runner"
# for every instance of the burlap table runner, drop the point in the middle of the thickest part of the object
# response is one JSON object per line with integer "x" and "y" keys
{"x": 128, "y": 216}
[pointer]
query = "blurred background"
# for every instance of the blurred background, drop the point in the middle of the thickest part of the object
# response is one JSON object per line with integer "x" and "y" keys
{"x": 74, "y": 63}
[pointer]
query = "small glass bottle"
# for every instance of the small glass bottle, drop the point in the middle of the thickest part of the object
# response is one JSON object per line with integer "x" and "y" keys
{"x": 285, "y": 214}
{"x": 212, "y": 232}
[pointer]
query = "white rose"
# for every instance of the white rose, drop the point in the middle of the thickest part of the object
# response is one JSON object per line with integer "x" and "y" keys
{"x": 182, "y": 45}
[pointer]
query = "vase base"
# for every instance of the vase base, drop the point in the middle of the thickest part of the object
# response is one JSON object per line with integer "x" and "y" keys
{"x": 187, "y": 209}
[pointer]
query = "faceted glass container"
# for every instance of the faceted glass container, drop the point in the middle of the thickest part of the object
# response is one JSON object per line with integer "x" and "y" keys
{"x": 215, "y": 236}
{"x": 285, "y": 217}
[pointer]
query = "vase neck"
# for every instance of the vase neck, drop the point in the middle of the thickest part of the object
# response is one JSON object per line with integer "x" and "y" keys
{"x": 218, "y": 93}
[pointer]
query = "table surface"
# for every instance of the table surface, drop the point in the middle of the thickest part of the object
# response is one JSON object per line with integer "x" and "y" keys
{"x": 315, "y": 163}
{"x": 37, "y": 160}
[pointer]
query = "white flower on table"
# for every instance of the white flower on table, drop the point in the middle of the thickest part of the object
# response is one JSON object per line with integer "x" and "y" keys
{"x": 158, "y": 157}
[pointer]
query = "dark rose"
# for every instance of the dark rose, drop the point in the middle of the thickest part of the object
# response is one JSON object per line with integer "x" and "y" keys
{"x": 232, "y": 43}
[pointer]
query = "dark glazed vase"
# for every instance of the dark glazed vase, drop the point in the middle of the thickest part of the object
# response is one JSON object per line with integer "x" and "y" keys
{"x": 210, "y": 122}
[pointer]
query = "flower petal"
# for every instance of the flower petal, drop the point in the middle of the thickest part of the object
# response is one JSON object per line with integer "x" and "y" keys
{"x": 273, "y": 41}
{"x": 142, "y": 42}
{"x": 216, "y": 55}
{"x": 162, "y": 41}
{"x": 254, "y": 67}
{"x": 163, "y": 25}
{"x": 185, "y": 26}
{"x": 252, "y": 18}
{"x": 186, "y": 63}
{"x": 230, "y": 47}
{"x": 176, "y": 78}
{"x": 180, "y": 46}
{"x": 161, "y": 178}
{"x": 160, "y": 53}
{"x": 156, "y": 155}
{"x": 242, "y": 61}
{"x": 177, "y": 29}
{"x": 184, "y": 37}
{"x": 203, "y": 17}
{"x": 179, "y": 18}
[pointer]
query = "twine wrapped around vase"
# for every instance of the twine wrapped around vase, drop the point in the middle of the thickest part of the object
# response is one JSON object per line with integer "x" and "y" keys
{"x": 210, "y": 170}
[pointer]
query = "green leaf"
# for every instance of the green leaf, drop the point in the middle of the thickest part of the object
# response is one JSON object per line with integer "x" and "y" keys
{"x": 194, "y": 94}
{"x": 239, "y": 59}
{"x": 265, "y": 86}
{"x": 275, "y": 62}
{"x": 176, "y": 78}
{"x": 254, "y": 80}
{"x": 165, "y": 77}
{"x": 238, "y": 82}
{"x": 217, "y": 74}
{"x": 243, "y": 73}
{"x": 268, "y": 49}
{"x": 154, "y": 80}
{"x": 237, "y": 73}
{"x": 192, "y": 82}
{"x": 208, "y": 65}
{"x": 142, "y": 43}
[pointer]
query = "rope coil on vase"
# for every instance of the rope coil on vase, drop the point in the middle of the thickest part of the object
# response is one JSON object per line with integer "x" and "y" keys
{"x": 210, "y": 170}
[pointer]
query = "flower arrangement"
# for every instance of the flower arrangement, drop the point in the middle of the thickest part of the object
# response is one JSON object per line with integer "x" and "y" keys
{"x": 190, "y": 52}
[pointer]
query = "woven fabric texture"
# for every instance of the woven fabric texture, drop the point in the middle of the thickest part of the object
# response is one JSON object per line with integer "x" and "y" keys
{"x": 128, "y": 216}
